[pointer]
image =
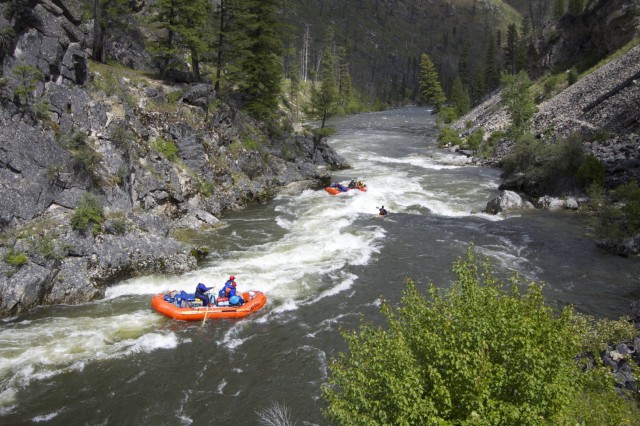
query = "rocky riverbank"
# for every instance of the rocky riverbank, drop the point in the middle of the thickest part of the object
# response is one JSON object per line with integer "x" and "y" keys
{"x": 158, "y": 157}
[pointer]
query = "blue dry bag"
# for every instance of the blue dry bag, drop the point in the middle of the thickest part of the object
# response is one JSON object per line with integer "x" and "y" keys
{"x": 234, "y": 300}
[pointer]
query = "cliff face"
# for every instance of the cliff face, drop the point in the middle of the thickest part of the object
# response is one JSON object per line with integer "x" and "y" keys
{"x": 154, "y": 155}
{"x": 580, "y": 41}
{"x": 604, "y": 105}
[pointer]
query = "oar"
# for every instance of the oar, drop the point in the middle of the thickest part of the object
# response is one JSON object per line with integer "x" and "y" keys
{"x": 205, "y": 313}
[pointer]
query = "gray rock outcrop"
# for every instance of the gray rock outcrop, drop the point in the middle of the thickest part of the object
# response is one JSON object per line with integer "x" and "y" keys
{"x": 154, "y": 170}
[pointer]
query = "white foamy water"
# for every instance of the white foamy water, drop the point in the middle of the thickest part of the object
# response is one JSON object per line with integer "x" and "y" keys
{"x": 306, "y": 264}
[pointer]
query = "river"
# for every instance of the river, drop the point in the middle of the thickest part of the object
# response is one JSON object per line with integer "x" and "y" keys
{"x": 325, "y": 262}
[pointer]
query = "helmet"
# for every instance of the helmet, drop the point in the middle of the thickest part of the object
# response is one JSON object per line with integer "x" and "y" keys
{"x": 232, "y": 278}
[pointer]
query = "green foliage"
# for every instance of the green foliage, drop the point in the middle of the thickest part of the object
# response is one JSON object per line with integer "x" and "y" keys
{"x": 16, "y": 258}
{"x": 572, "y": 76}
{"x": 616, "y": 214}
{"x": 590, "y": 172}
{"x": 205, "y": 188}
{"x": 460, "y": 97}
{"x": 558, "y": 8}
{"x": 449, "y": 137}
{"x": 576, "y": 7}
{"x": 261, "y": 64}
{"x": 88, "y": 212}
{"x": 430, "y": 86}
{"x": 542, "y": 168}
{"x": 81, "y": 150}
{"x": 476, "y": 353}
{"x": 27, "y": 78}
{"x": 167, "y": 148}
{"x": 324, "y": 100}
{"x": 447, "y": 115}
{"x": 488, "y": 147}
{"x": 474, "y": 140}
{"x": 518, "y": 100}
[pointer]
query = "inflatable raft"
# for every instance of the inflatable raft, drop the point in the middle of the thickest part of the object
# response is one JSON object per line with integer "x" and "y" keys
{"x": 185, "y": 307}
{"x": 335, "y": 191}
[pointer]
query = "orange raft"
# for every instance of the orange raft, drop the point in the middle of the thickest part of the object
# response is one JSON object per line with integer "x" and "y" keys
{"x": 254, "y": 300}
{"x": 335, "y": 191}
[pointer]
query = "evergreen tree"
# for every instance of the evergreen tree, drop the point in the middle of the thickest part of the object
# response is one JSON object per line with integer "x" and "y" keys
{"x": 430, "y": 83}
{"x": 165, "y": 47}
{"x": 261, "y": 65}
{"x": 108, "y": 15}
{"x": 558, "y": 8}
{"x": 325, "y": 100}
{"x": 464, "y": 65}
{"x": 193, "y": 28}
{"x": 460, "y": 97}
{"x": 511, "y": 50}
{"x": 479, "y": 88}
{"x": 517, "y": 97}
{"x": 576, "y": 7}
{"x": 491, "y": 69}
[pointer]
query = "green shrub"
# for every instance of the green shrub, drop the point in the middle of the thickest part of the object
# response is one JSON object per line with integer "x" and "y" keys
{"x": 88, "y": 212}
{"x": 16, "y": 258}
{"x": 447, "y": 115}
{"x": 474, "y": 140}
{"x": 81, "y": 150}
{"x": 449, "y": 137}
{"x": 480, "y": 352}
{"x": 167, "y": 148}
{"x": 590, "y": 172}
{"x": 489, "y": 147}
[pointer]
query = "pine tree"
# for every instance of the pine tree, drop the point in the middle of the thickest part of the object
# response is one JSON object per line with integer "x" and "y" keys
{"x": 479, "y": 88}
{"x": 165, "y": 48}
{"x": 108, "y": 15}
{"x": 261, "y": 65}
{"x": 430, "y": 83}
{"x": 325, "y": 100}
{"x": 517, "y": 97}
{"x": 460, "y": 97}
{"x": 464, "y": 65}
{"x": 558, "y": 8}
{"x": 491, "y": 69}
{"x": 193, "y": 28}
{"x": 511, "y": 50}
{"x": 576, "y": 7}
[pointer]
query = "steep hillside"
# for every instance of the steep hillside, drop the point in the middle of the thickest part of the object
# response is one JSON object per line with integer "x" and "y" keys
{"x": 384, "y": 38}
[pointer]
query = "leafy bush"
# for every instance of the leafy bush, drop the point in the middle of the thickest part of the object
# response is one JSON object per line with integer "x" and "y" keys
{"x": 88, "y": 212}
{"x": 543, "y": 168}
{"x": 81, "y": 150}
{"x": 474, "y": 140}
{"x": 517, "y": 97}
{"x": 616, "y": 214}
{"x": 16, "y": 258}
{"x": 488, "y": 147}
{"x": 447, "y": 115}
{"x": 473, "y": 354}
{"x": 166, "y": 148}
{"x": 448, "y": 137}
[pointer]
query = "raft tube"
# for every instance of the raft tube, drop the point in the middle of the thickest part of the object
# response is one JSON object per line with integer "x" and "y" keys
{"x": 254, "y": 300}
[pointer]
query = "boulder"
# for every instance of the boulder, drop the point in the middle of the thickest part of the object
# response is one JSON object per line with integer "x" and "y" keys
{"x": 507, "y": 200}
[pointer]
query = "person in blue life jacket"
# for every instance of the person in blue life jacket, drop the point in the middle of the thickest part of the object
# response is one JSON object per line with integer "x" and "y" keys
{"x": 229, "y": 291}
{"x": 201, "y": 289}
{"x": 226, "y": 289}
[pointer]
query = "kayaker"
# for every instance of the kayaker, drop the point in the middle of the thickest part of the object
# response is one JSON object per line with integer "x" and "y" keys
{"x": 382, "y": 211}
{"x": 201, "y": 289}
